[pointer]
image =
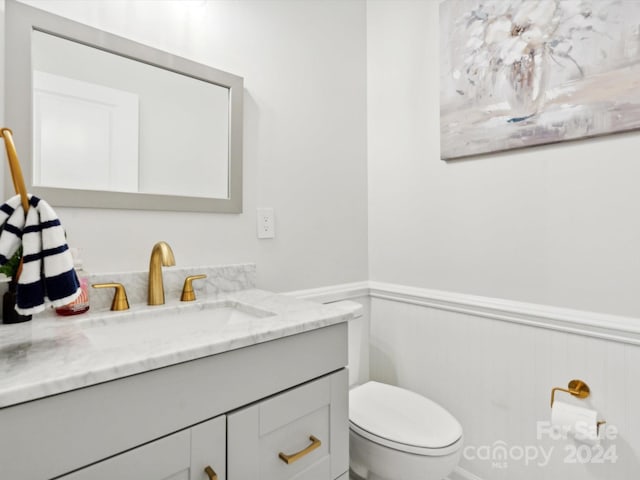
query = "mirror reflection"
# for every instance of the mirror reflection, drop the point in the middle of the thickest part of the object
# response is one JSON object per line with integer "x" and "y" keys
{"x": 106, "y": 122}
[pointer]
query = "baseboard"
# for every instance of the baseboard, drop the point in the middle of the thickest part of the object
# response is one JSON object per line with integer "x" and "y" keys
{"x": 462, "y": 474}
{"x": 591, "y": 324}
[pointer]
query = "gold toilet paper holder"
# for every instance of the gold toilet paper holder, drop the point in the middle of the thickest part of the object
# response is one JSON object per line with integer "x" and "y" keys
{"x": 577, "y": 388}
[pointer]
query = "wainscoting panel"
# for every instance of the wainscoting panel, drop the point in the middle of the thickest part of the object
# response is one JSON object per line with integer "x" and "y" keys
{"x": 496, "y": 376}
{"x": 492, "y": 363}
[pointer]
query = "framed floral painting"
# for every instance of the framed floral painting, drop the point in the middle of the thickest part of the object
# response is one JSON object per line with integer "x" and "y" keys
{"x": 516, "y": 73}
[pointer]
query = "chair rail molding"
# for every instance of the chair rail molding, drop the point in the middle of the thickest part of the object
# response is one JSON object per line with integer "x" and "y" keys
{"x": 591, "y": 324}
{"x": 333, "y": 293}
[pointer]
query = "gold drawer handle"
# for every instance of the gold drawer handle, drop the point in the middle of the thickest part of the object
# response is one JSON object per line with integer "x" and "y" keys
{"x": 210, "y": 473}
{"x": 289, "y": 459}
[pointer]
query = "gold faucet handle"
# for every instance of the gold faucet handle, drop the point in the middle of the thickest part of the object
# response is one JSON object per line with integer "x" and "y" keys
{"x": 120, "y": 301}
{"x": 188, "y": 295}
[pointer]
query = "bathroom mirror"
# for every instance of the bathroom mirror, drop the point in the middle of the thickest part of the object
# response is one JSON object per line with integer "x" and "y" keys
{"x": 102, "y": 121}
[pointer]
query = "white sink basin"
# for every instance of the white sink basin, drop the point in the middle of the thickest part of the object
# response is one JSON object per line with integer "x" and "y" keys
{"x": 158, "y": 324}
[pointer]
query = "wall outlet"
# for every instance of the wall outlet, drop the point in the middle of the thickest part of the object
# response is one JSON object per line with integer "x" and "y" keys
{"x": 266, "y": 223}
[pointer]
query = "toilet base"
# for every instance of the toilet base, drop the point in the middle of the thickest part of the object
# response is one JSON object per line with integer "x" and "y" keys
{"x": 369, "y": 476}
{"x": 370, "y": 461}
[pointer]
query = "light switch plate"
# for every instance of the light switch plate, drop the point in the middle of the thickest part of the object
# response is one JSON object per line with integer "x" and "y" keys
{"x": 266, "y": 223}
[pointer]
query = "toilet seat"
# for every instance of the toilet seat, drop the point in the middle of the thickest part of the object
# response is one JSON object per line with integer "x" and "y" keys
{"x": 402, "y": 420}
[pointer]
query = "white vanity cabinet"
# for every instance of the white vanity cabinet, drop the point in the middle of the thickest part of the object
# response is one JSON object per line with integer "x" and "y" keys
{"x": 230, "y": 411}
{"x": 186, "y": 455}
{"x": 299, "y": 434}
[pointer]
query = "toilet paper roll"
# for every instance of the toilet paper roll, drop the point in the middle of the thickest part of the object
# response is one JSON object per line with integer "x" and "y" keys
{"x": 579, "y": 423}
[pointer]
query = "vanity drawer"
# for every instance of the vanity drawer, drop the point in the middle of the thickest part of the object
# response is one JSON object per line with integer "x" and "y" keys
{"x": 182, "y": 456}
{"x": 301, "y": 434}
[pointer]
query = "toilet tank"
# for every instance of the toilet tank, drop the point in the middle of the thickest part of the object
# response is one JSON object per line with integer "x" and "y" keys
{"x": 358, "y": 340}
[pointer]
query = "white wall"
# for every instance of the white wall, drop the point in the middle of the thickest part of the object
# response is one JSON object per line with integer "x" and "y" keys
{"x": 304, "y": 138}
{"x": 554, "y": 225}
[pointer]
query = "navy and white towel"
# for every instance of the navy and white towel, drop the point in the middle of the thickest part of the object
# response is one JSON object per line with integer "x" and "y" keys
{"x": 47, "y": 274}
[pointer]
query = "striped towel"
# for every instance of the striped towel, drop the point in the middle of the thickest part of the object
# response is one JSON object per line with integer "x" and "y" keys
{"x": 47, "y": 274}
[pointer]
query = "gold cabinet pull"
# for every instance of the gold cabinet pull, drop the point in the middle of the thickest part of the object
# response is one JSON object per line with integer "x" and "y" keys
{"x": 120, "y": 301}
{"x": 289, "y": 459}
{"x": 188, "y": 295}
{"x": 210, "y": 473}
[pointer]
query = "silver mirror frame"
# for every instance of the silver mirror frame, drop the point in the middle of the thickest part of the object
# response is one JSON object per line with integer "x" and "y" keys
{"x": 20, "y": 21}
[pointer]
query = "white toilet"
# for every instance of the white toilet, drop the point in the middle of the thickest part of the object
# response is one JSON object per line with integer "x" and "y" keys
{"x": 395, "y": 434}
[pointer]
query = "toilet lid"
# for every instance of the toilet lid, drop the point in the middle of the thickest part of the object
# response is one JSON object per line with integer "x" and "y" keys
{"x": 402, "y": 417}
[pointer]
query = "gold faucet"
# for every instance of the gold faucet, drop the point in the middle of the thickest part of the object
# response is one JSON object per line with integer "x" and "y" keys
{"x": 160, "y": 255}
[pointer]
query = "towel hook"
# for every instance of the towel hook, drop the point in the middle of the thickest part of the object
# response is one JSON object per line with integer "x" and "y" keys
{"x": 14, "y": 166}
{"x": 16, "y": 176}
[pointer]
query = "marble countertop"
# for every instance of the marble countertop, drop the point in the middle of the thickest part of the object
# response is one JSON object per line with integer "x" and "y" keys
{"x": 52, "y": 354}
